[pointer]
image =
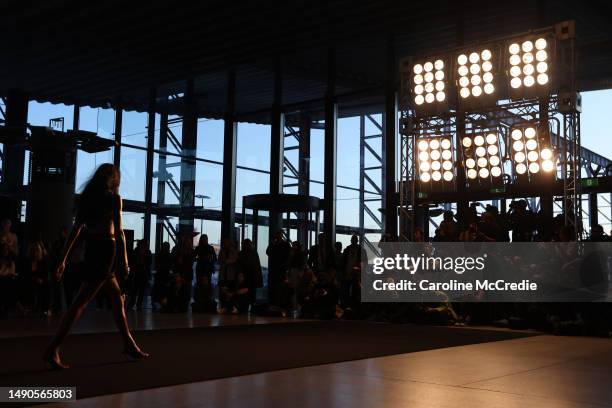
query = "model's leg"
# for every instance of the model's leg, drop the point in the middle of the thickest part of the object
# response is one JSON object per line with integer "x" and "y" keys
{"x": 114, "y": 293}
{"x": 86, "y": 293}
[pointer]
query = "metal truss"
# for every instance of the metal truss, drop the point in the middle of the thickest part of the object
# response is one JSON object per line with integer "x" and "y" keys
{"x": 370, "y": 177}
{"x": 2, "y": 121}
{"x": 559, "y": 111}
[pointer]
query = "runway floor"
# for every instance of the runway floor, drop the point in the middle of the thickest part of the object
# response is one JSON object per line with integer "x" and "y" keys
{"x": 538, "y": 371}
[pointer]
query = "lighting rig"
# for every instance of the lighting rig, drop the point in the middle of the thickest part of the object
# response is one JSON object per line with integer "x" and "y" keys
{"x": 497, "y": 106}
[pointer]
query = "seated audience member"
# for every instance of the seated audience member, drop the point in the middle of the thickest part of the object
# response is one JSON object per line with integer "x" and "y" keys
{"x": 203, "y": 296}
{"x": 235, "y": 297}
{"x": 178, "y": 295}
{"x": 598, "y": 234}
{"x": 324, "y": 297}
{"x": 305, "y": 287}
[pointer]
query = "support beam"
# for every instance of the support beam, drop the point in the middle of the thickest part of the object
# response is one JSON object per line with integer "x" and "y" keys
{"x": 161, "y": 179}
{"x": 188, "y": 165}
{"x": 149, "y": 169}
{"x": 13, "y": 164}
{"x": 277, "y": 154}
{"x": 230, "y": 131}
{"x": 304, "y": 176}
{"x": 390, "y": 131}
{"x": 593, "y": 210}
{"x": 118, "y": 134}
{"x": 331, "y": 124}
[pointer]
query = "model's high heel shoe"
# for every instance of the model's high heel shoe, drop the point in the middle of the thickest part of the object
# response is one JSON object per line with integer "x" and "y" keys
{"x": 53, "y": 362}
{"x": 134, "y": 353}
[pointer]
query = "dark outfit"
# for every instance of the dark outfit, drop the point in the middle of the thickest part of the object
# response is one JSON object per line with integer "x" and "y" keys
{"x": 163, "y": 262}
{"x": 206, "y": 259}
{"x": 100, "y": 250}
{"x": 250, "y": 267}
{"x": 141, "y": 268}
{"x": 278, "y": 259}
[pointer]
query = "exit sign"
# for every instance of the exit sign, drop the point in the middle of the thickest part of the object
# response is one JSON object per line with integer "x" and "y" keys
{"x": 498, "y": 190}
{"x": 590, "y": 182}
{"x": 421, "y": 195}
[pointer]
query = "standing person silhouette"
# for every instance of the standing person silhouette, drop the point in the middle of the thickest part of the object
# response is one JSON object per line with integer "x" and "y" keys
{"x": 99, "y": 219}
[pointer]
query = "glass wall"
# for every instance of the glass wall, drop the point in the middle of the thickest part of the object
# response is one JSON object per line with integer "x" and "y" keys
{"x": 101, "y": 122}
{"x": 252, "y": 175}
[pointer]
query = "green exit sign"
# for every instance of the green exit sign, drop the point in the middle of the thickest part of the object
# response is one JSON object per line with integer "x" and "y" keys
{"x": 421, "y": 195}
{"x": 590, "y": 182}
{"x": 498, "y": 190}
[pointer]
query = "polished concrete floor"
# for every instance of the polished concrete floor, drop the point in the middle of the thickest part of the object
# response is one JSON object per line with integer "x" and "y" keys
{"x": 540, "y": 371}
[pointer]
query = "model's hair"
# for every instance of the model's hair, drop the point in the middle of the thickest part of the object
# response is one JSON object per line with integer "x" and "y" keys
{"x": 105, "y": 180}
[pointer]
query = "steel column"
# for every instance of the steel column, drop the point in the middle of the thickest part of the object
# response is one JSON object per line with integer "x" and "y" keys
{"x": 304, "y": 177}
{"x": 118, "y": 133}
{"x": 230, "y": 131}
{"x": 188, "y": 165}
{"x": 277, "y": 142}
{"x": 161, "y": 178}
{"x": 13, "y": 164}
{"x": 331, "y": 123}
{"x": 149, "y": 169}
{"x": 593, "y": 210}
{"x": 390, "y": 132}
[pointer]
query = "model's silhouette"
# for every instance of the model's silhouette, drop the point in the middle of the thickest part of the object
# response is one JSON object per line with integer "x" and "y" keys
{"x": 98, "y": 220}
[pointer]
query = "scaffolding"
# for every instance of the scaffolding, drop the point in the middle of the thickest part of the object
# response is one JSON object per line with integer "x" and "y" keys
{"x": 558, "y": 112}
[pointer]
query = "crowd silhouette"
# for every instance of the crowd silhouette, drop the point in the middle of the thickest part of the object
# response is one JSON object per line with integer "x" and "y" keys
{"x": 323, "y": 281}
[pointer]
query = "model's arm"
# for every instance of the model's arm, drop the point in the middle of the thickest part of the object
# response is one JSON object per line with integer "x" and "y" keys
{"x": 68, "y": 247}
{"x": 120, "y": 237}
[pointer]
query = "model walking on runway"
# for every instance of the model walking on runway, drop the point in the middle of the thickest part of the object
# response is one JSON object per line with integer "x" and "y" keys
{"x": 98, "y": 219}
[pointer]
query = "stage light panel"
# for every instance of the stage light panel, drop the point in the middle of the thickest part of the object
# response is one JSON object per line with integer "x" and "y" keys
{"x": 475, "y": 75}
{"x": 528, "y": 66}
{"x": 429, "y": 83}
{"x": 435, "y": 159}
{"x": 482, "y": 159}
{"x": 531, "y": 151}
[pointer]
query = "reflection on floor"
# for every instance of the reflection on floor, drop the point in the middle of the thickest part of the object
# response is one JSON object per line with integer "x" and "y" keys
{"x": 542, "y": 371}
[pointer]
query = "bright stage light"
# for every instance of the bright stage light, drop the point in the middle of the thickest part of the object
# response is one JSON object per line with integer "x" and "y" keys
{"x": 528, "y": 64}
{"x": 475, "y": 74}
{"x": 428, "y": 82}
{"x": 435, "y": 159}
{"x": 547, "y": 165}
{"x": 531, "y": 154}
{"x": 482, "y": 156}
